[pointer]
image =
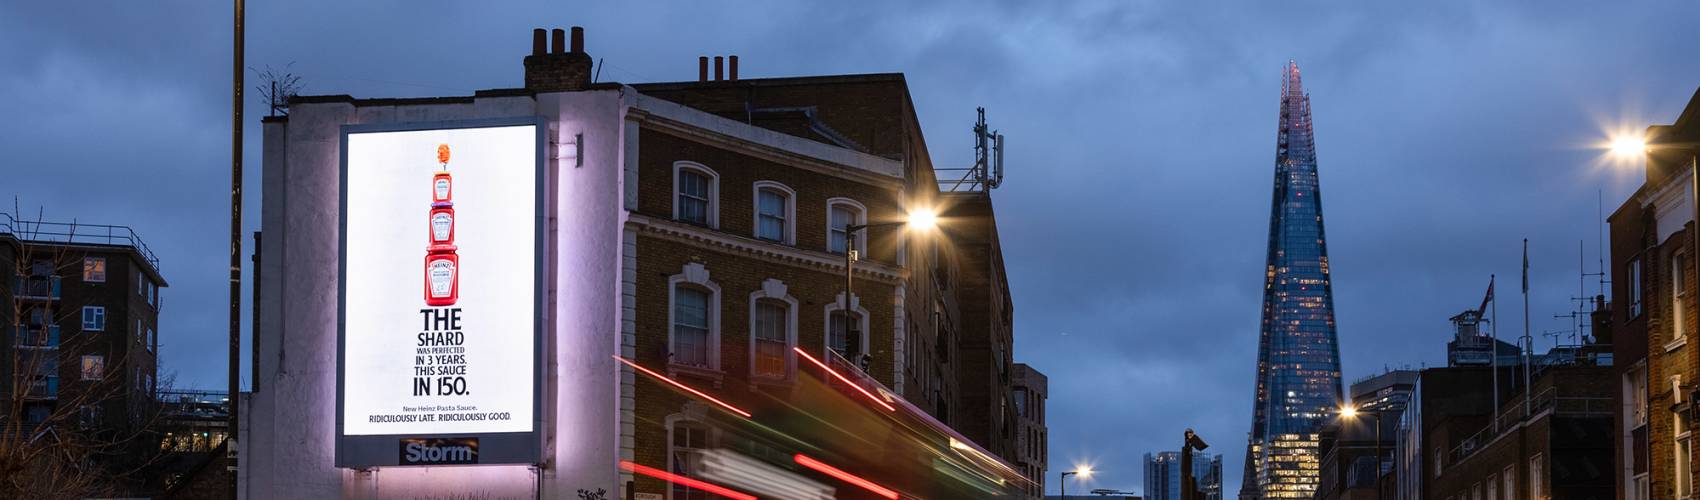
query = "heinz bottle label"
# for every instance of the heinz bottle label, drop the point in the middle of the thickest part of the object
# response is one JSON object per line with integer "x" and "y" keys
{"x": 440, "y": 188}
{"x": 442, "y": 226}
{"x": 442, "y": 278}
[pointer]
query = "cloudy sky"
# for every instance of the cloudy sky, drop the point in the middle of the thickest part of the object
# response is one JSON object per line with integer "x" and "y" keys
{"x": 1141, "y": 142}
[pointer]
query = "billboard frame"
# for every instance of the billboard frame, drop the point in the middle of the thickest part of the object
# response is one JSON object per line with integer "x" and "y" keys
{"x": 494, "y": 448}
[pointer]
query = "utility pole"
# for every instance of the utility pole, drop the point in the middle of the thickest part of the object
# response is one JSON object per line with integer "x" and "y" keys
{"x": 235, "y": 248}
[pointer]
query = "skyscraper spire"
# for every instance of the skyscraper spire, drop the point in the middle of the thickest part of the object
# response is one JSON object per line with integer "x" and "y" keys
{"x": 1298, "y": 358}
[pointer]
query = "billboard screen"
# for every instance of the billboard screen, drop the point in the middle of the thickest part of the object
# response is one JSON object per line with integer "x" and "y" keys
{"x": 440, "y": 293}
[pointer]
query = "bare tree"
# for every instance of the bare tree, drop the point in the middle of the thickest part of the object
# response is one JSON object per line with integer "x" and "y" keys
{"x": 277, "y": 87}
{"x": 93, "y": 435}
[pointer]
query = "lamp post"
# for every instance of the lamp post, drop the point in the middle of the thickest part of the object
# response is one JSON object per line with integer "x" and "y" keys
{"x": 1063, "y": 481}
{"x": 1350, "y": 412}
{"x": 917, "y": 220}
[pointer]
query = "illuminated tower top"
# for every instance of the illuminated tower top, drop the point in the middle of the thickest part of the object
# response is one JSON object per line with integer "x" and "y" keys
{"x": 1298, "y": 359}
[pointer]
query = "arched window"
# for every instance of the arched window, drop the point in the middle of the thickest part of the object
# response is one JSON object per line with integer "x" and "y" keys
{"x": 847, "y": 331}
{"x": 696, "y": 194}
{"x": 693, "y": 319}
{"x": 842, "y": 213}
{"x": 773, "y": 332}
{"x": 775, "y": 212}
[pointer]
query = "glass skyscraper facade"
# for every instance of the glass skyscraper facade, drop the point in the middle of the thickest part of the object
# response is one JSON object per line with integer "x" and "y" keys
{"x": 1163, "y": 475}
{"x": 1298, "y": 359}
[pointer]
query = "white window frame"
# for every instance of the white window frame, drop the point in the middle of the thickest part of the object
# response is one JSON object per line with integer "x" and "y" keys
{"x": 861, "y": 323}
{"x": 1508, "y": 480}
{"x": 711, "y": 436}
{"x": 1635, "y": 305}
{"x": 713, "y": 215}
{"x": 1678, "y": 282}
{"x": 1492, "y": 487}
{"x": 861, "y": 219}
{"x": 772, "y": 289}
{"x": 86, "y": 271}
{"x": 1535, "y": 466}
{"x": 99, "y": 367}
{"x": 1682, "y": 456}
{"x": 98, "y": 316}
{"x": 789, "y": 236}
{"x": 694, "y": 274}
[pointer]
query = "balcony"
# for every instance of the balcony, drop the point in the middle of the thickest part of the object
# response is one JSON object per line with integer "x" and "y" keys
{"x": 36, "y": 288}
{"x": 37, "y": 337}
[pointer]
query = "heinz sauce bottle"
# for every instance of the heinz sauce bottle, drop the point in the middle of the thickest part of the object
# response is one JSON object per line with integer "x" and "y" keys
{"x": 442, "y": 264}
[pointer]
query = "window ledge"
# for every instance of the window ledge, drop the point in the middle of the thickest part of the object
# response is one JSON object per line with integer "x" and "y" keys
{"x": 786, "y": 382}
{"x": 1676, "y": 344}
{"x": 713, "y": 375}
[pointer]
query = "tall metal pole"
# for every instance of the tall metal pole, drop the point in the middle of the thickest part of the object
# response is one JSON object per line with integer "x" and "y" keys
{"x": 1529, "y": 342}
{"x": 1378, "y": 442}
{"x": 1493, "y": 324}
{"x": 235, "y": 244}
{"x": 849, "y": 281}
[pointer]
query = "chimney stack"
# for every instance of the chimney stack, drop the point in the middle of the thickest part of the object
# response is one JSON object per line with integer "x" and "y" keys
{"x": 539, "y": 37}
{"x": 558, "y": 70}
{"x": 702, "y": 68}
{"x": 732, "y": 68}
{"x": 719, "y": 68}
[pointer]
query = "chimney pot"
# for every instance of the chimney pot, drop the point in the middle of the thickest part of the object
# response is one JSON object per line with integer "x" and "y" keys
{"x": 719, "y": 68}
{"x": 732, "y": 68}
{"x": 558, "y": 41}
{"x": 537, "y": 40}
{"x": 702, "y": 68}
{"x": 578, "y": 39}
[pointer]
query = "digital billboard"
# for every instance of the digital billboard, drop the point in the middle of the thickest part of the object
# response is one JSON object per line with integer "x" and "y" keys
{"x": 440, "y": 294}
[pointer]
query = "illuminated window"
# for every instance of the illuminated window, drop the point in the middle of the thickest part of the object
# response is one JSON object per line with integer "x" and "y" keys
{"x": 1679, "y": 327}
{"x": 843, "y": 213}
{"x": 1681, "y": 480}
{"x": 696, "y": 194}
{"x": 94, "y": 270}
{"x": 94, "y": 367}
{"x": 775, "y": 205}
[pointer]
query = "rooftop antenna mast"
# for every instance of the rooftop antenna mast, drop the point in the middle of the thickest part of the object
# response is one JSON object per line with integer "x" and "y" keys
{"x": 987, "y": 172}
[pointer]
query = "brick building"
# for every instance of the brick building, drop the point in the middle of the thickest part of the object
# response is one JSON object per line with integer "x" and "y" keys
{"x": 700, "y": 255}
{"x": 1552, "y": 444}
{"x": 1032, "y": 452}
{"x": 81, "y": 329}
{"x": 1653, "y": 315}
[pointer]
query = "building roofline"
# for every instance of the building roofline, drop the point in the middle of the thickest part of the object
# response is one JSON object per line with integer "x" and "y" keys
{"x": 778, "y": 81}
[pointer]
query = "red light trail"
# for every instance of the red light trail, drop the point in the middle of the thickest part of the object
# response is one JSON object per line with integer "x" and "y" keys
{"x": 678, "y": 479}
{"x": 829, "y": 470}
{"x": 686, "y": 388}
{"x": 841, "y": 377}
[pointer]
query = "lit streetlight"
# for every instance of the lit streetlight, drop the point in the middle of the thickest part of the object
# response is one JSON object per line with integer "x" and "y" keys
{"x": 1085, "y": 472}
{"x": 1350, "y": 412}
{"x": 918, "y": 220}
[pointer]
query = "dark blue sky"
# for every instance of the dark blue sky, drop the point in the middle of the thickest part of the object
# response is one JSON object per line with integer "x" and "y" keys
{"x": 1141, "y": 141}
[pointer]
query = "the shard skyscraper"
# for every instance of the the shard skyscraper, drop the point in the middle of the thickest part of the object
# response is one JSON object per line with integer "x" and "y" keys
{"x": 1298, "y": 359}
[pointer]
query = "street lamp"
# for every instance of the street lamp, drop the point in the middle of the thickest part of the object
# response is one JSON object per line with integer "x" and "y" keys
{"x": 1083, "y": 471}
{"x": 1349, "y": 412}
{"x": 1632, "y": 146}
{"x": 918, "y": 220}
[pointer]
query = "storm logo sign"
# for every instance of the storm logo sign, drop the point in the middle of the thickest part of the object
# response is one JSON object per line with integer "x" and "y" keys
{"x": 451, "y": 451}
